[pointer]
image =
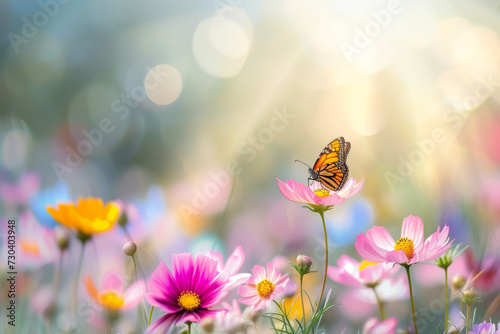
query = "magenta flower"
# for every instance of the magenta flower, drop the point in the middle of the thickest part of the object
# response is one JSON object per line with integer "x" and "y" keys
{"x": 232, "y": 266}
{"x": 359, "y": 274}
{"x": 188, "y": 292}
{"x": 379, "y": 246}
{"x": 374, "y": 326}
{"x": 315, "y": 195}
{"x": 263, "y": 287}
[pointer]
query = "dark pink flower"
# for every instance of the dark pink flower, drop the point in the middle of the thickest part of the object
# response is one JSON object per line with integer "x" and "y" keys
{"x": 188, "y": 292}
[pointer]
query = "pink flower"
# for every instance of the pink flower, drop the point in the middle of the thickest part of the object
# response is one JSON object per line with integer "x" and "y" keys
{"x": 264, "y": 286}
{"x": 379, "y": 246}
{"x": 390, "y": 289}
{"x": 232, "y": 266}
{"x": 317, "y": 196}
{"x": 188, "y": 292}
{"x": 111, "y": 296}
{"x": 373, "y": 326}
{"x": 359, "y": 274}
{"x": 37, "y": 244}
{"x": 20, "y": 192}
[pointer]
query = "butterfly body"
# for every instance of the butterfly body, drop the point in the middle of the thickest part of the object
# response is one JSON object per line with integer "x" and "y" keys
{"x": 330, "y": 168}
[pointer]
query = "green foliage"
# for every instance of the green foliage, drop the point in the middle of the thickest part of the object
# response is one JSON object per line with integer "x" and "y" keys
{"x": 451, "y": 254}
{"x": 282, "y": 324}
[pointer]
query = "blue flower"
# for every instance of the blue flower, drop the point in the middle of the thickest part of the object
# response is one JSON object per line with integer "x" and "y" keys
{"x": 49, "y": 196}
{"x": 350, "y": 220}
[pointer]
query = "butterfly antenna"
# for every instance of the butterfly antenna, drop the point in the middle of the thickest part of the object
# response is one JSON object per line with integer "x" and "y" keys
{"x": 297, "y": 160}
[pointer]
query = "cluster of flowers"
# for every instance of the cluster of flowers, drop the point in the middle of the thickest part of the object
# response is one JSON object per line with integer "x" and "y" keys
{"x": 194, "y": 289}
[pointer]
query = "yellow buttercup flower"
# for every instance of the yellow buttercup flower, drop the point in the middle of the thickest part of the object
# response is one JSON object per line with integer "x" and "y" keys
{"x": 87, "y": 217}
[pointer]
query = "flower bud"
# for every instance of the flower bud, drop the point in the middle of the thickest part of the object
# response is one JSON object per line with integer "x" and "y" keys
{"x": 469, "y": 297}
{"x": 458, "y": 282}
{"x": 184, "y": 331}
{"x": 82, "y": 236}
{"x": 129, "y": 248}
{"x": 303, "y": 260}
{"x": 62, "y": 237}
{"x": 123, "y": 219}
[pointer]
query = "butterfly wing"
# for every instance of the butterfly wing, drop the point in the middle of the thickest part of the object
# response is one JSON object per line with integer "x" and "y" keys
{"x": 347, "y": 148}
{"x": 336, "y": 151}
{"x": 333, "y": 176}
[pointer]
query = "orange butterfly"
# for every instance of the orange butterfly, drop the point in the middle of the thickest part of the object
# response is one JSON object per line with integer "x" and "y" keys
{"x": 330, "y": 169}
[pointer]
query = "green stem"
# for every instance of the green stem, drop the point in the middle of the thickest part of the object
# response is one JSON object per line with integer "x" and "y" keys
{"x": 150, "y": 315}
{"x": 189, "y": 327}
{"x": 77, "y": 277}
{"x": 55, "y": 288}
{"x": 135, "y": 267}
{"x": 407, "y": 267}
{"x": 326, "y": 264}
{"x": 141, "y": 309}
{"x": 302, "y": 302}
{"x": 380, "y": 304}
{"x": 446, "y": 299}
{"x": 467, "y": 321}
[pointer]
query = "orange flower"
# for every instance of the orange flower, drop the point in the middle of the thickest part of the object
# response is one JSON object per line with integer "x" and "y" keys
{"x": 89, "y": 216}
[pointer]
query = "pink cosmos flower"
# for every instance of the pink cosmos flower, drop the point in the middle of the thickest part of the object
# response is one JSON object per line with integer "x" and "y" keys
{"x": 188, "y": 292}
{"x": 315, "y": 195}
{"x": 359, "y": 274}
{"x": 281, "y": 263}
{"x": 379, "y": 246}
{"x": 359, "y": 303}
{"x": 390, "y": 289}
{"x": 112, "y": 297}
{"x": 232, "y": 266}
{"x": 263, "y": 287}
{"x": 374, "y": 326}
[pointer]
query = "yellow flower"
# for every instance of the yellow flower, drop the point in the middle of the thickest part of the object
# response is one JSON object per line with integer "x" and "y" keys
{"x": 89, "y": 216}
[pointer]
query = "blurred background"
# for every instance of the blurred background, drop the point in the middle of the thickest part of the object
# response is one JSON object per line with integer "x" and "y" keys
{"x": 190, "y": 110}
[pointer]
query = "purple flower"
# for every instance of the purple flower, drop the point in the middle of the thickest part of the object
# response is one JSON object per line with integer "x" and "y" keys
{"x": 188, "y": 292}
{"x": 485, "y": 328}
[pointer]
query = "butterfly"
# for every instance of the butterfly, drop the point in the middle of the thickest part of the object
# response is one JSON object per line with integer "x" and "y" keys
{"x": 330, "y": 168}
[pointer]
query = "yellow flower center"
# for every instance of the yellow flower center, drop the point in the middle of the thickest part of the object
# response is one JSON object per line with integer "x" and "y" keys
{"x": 189, "y": 300}
{"x": 322, "y": 192}
{"x": 365, "y": 264}
{"x": 406, "y": 245}
{"x": 265, "y": 288}
{"x": 111, "y": 299}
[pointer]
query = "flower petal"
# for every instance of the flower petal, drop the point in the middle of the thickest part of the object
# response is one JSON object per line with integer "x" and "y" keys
{"x": 413, "y": 229}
